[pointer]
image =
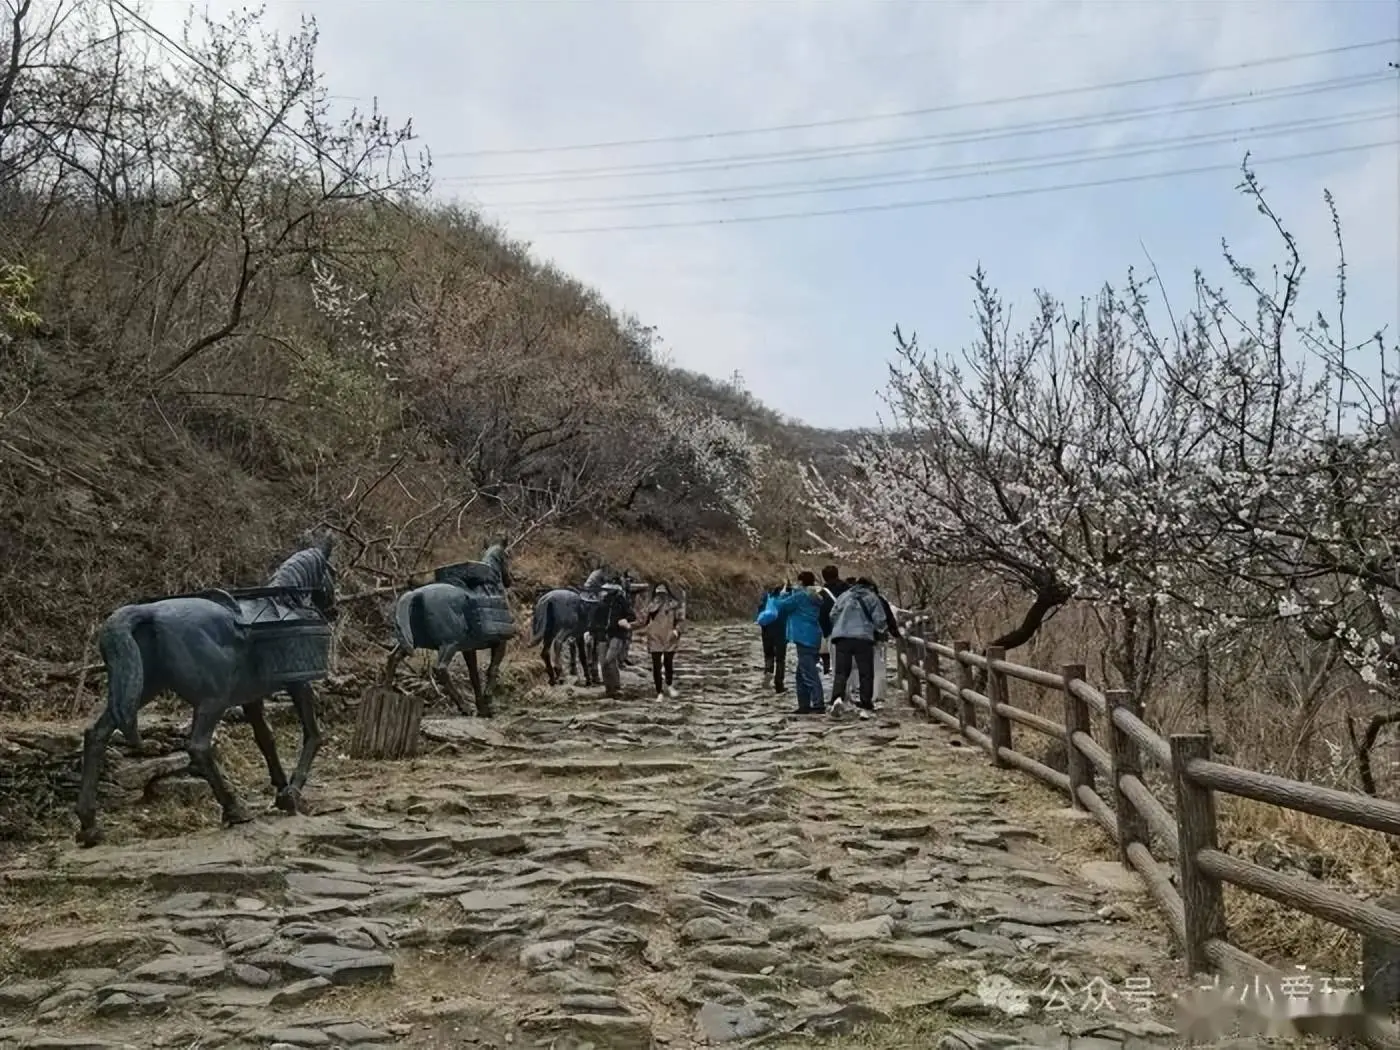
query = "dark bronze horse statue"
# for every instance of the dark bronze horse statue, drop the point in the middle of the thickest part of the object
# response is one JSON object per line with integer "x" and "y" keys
{"x": 464, "y": 610}
{"x": 217, "y": 650}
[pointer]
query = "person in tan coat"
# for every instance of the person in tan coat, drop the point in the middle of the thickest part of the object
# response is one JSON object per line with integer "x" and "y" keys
{"x": 661, "y": 622}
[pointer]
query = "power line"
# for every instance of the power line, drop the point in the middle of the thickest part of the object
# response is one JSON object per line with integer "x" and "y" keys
{"x": 952, "y": 107}
{"x": 855, "y": 183}
{"x": 968, "y": 199}
{"x": 905, "y": 144}
{"x": 170, "y": 46}
{"x": 164, "y": 40}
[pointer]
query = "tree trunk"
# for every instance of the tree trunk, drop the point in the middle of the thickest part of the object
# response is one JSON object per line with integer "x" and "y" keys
{"x": 387, "y": 725}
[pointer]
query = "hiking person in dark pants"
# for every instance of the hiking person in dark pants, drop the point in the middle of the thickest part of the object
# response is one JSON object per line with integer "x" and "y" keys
{"x": 619, "y": 634}
{"x": 832, "y": 588}
{"x": 662, "y": 620}
{"x": 775, "y": 644}
{"x": 857, "y": 625}
{"x": 801, "y": 608}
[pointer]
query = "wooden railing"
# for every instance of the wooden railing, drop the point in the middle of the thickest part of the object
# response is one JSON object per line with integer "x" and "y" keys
{"x": 1107, "y": 743}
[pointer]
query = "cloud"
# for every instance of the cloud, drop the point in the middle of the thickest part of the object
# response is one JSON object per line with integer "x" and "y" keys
{"x": 804, "y": 307}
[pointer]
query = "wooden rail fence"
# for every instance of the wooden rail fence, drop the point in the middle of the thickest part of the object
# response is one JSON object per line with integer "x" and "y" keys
{"x": 1107, "y": 743}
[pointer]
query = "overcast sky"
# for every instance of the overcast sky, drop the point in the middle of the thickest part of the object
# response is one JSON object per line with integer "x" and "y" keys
{"x": 803, "y": 307}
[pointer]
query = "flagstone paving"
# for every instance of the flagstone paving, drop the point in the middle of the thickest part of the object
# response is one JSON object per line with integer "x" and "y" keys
{"x": 587, "y": 872}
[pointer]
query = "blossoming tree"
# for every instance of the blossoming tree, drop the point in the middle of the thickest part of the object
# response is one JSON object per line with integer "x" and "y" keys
{"x": 1231, "y": 478}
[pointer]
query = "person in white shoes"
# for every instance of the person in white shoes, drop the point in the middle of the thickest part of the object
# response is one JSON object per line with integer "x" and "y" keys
{"x": 662, "y": 621}
{"x": 858, "y": 624}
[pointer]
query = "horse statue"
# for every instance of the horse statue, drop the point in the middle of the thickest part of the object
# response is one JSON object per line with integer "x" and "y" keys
{"x": 574, "y": 617}
{"x": 463, "y": 610}
{"x": 219, "y": 649}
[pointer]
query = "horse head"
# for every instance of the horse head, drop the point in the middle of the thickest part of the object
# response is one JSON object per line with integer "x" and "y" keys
{"x": 498, "y": 557}
{"x": 310, "y": 574}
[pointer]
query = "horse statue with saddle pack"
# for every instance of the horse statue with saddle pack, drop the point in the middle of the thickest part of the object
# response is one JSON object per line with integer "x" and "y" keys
{"x": 464, "y": 609}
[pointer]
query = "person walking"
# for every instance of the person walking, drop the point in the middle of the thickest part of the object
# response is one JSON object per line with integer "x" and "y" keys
{"x": 617, "y": 638}
{"x": 801, "y": 609}
{"x": 858, "y": 624}
{"x": 775, "y": 642}
{"x": 878, "y": 694}
{"x": 832, "y": 588}
{"x": 662, "y": 620}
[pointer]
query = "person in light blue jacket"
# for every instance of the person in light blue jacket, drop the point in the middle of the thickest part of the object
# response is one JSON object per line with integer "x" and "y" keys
{"x": 801, "y": 608}
{"x": 858, "y": 624}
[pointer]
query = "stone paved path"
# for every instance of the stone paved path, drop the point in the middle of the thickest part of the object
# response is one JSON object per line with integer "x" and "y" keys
{"x": 609, "y": 874}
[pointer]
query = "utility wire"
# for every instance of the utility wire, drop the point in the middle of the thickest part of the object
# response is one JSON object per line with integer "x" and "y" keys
{"x": 938, "y": 173}
{"x": 968, "y": 199}
{"x": 897, "y": 145}
{"x": 952, "y": 107}
{"x": 171, "y": 46}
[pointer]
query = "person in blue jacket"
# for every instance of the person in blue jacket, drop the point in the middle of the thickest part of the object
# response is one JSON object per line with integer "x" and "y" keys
{"x": 801, "y": 608}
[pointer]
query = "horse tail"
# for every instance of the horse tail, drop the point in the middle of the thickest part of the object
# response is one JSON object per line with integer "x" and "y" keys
{"x": 126, "y": 670}
{"x": 541, "y": 620}
{"x": 406, "y": 611}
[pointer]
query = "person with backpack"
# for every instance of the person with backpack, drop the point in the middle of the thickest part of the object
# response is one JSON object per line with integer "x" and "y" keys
{"x": 774, "y": 634}
{"x": 801, "y": 609}
{"x": 858, "y": 624}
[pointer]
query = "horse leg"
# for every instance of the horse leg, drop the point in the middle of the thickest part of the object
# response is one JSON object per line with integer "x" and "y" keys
{"x": 94, "y": 756}
{"x": 545, "y": 650}
{"x": 205, "y": 764}
{"x": 392, "y": 665}
{"x": 597, "y": 652}
{"x": 483, "y": 706}
{"x": 443, "y": 677}
{"x": 304, "y": 702}
{"x": 498, "y": 655}
{"x": 255, "y": 713}
{"x": 578, "y": 648}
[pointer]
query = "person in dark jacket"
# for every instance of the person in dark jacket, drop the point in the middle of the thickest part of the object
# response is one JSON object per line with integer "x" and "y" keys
{"x": 832, "y": 588}
{"x": 775, "y": 643}
{"x": 619, "y": 635}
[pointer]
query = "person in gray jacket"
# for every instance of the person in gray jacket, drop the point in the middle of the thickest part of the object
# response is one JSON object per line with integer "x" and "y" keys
{"x": 857, "y": 623}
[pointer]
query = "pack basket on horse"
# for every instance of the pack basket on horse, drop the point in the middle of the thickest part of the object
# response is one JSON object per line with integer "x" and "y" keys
{"x": 217, "y": 649}
{"x": 463, "y": 610}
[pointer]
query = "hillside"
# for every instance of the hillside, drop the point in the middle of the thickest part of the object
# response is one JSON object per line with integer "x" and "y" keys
{"x": 228, "y": 317}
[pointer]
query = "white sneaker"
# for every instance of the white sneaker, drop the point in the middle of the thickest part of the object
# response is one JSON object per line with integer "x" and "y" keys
{"x": 837, "y": 708}
{"x": 660, "y": 697}
{"x": 671, "y": 691}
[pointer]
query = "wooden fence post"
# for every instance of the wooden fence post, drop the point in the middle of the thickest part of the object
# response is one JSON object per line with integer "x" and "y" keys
{"x": 996, "y": 693}
{"x": 1127, "y": 761}
{"x": 1201, "y": 896}
{"x": 1077, "y": 720}
{"x": 967, "y": 713}
{"x": 903, "y": 654}
{"x": 933, "y": 696}
{"x": 1380, "y": 969}
{"x": 905, "y": 647}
